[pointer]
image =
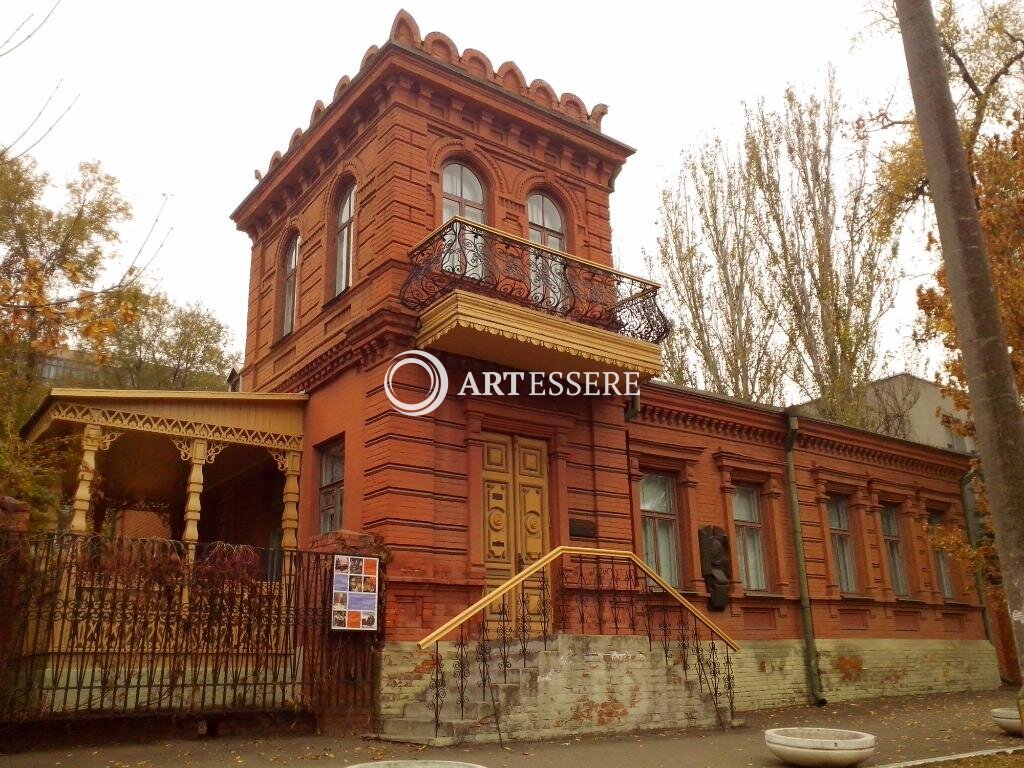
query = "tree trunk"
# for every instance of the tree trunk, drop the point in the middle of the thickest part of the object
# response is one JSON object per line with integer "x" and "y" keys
{"x": 994, "y": 399}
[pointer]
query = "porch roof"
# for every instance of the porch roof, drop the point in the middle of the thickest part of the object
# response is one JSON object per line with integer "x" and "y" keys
{"x": 272, "y": 420}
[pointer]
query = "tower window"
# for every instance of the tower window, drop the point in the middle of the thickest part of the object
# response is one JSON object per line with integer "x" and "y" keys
{"x": 344, "y": 245}
{"x": 463, "y": 194}
{"x": 546, "y": 222}
{"x": 291, "y": 263}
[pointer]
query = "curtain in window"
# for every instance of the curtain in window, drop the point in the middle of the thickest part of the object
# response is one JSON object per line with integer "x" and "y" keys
{"x": 893, "y": 548}
{"x": 842, "y": 544}
{"x": 749, "y": 540}
{"x": 659, "y": 526}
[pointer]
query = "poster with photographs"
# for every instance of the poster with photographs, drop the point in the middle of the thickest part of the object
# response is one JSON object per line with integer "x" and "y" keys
{"x": 354, "y": 602}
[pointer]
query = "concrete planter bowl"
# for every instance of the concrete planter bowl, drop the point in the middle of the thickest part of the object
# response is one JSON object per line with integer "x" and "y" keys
{"x": 1008, "y": 718}
{"x": 824, "y": 747}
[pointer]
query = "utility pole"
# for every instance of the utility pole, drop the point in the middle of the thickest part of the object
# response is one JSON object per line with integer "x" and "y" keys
{"x": 994, "y": 397}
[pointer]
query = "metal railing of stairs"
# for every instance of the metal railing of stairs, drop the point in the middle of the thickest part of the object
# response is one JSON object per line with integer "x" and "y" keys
{"x": 577, "y": 591}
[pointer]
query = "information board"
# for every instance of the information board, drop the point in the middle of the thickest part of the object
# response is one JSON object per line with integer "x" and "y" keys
{"x": 354, "y": 602}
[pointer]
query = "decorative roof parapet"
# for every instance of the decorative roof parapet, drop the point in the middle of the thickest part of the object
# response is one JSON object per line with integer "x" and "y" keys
{"x": 406, "y": 33}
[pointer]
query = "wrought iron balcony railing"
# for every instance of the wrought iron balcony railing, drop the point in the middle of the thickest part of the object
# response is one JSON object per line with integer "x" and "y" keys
{"x": 469, "y": 256}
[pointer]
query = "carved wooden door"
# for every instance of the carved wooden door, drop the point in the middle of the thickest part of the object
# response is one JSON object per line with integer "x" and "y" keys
{"x": 516, "y": 530}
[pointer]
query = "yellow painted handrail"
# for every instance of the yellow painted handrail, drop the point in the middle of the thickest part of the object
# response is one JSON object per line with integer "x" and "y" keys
{"x": 491, "y": 597}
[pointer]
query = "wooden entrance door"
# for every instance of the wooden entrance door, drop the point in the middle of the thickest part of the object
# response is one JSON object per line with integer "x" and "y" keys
{"x": 516, "y": 529}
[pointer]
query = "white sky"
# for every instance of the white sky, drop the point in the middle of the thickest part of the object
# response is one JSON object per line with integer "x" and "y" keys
{"x": 187, "y": 98}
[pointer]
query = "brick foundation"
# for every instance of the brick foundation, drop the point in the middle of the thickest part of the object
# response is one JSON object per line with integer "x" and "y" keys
{"x": 604, "y": 684}
{"x": 770, "y": 673}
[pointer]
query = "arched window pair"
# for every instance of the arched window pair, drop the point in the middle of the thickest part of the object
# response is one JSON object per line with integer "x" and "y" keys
{"x": 344, "y": 251}
{"x": 463, "y": 196}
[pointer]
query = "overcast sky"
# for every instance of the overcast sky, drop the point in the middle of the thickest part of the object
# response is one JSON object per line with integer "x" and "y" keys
{"x": 186, "y": 98}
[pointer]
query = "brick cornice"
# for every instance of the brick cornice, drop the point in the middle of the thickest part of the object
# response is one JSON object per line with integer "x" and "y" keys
{"x": 879, "y": 454}
{"x": 722, "y": 425}
{"x": 384, "y": 332}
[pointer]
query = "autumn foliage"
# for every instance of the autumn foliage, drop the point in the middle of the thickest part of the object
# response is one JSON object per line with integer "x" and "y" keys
{"x": 999, "y": 171}
{"x": 52, "y": 257}
{"x": 999, "y": 176}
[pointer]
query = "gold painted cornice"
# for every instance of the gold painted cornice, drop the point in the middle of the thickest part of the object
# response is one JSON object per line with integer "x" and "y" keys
{"x": 165, "y": 425}
{"x": 485, "y": 328}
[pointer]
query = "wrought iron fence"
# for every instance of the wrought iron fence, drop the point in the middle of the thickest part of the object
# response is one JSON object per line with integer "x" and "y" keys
{"x": 576, "y": 591}
{"x": 91, "y": 625}
{"x": 462, "y": 254}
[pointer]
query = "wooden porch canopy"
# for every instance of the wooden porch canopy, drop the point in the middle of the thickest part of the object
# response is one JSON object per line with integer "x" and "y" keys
{"x": 200, "y": 425}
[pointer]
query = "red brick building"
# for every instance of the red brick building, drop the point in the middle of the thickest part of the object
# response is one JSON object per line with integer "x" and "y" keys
{"x": 348, "y": 248}
{"x": 677, "y": 552}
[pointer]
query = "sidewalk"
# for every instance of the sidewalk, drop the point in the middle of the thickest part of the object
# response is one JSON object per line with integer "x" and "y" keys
{"x": 907, "y": 728}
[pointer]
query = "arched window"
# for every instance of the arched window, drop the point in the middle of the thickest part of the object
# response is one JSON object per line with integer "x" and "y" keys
{"x": 549, "y": 283}
{"x": 291, "y": 264}
{"x": 547, "y": 225}
{"x": 463, "y": 194}
{"x": 344, "y": 244}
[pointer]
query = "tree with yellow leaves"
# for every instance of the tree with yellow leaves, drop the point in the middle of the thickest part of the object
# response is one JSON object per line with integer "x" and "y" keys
{"x": 51, "y": 259}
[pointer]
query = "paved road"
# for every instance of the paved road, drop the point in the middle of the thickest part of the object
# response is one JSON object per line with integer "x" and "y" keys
{"x": 907, "y": 728}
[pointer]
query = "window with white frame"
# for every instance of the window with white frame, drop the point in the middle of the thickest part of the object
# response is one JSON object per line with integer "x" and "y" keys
{"x": 892, "y": 535}
{"x": 548, "y": 281}
{"x": 746, "y": 515}
{"x": 332, "y": 486}
{"x": 462, "y": 195}
{"x": 344, "y": 245}
{"x": 658, "y": 520}
{"x": 291, "y": 265}
{"x": 943, "y": 573}
{"x": 842, "y": 543}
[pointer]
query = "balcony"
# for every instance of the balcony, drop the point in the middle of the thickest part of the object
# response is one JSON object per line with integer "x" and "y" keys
{"x": 493, "y": 296}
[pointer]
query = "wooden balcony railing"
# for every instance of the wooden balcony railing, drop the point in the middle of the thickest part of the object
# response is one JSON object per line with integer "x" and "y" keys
{"x": 469, "y": 256}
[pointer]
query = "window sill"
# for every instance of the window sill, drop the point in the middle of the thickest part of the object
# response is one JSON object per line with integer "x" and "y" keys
{"x": 856, "y": 598}
{"x": 911, "y": 601}
{"x": 958, "y": 604}
{"x": 336, "y": 299}
{"x": 280, "y": 340}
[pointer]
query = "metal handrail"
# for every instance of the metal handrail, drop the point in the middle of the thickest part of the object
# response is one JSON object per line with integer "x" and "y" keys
{"x": 534, "y": 246}
{"x": 497, "y": 594}
{"x": 462, "y": 254}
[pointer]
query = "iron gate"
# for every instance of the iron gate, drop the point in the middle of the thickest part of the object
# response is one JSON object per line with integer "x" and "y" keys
{"x": 91, "y": 625}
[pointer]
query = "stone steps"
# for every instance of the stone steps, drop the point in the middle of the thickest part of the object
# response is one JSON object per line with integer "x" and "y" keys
{"x": 514, "y": 699}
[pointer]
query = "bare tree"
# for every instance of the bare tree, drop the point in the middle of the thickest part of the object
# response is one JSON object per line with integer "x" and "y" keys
{"x": 725, "y": 337}
{"x": 22, "y": 33}
{"x": 830, "y": 249}
{"x": 989, "y": 372}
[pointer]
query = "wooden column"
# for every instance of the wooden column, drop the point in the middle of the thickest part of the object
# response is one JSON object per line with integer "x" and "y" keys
{"x": 92, "y": 439}
{"x": 290, "y": 512}
{"x": 196, "y": 457}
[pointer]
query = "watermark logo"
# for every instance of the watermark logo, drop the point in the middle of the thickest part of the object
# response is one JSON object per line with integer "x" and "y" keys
{"x": 504, "y": 383}
{"x": 436, "y": 391}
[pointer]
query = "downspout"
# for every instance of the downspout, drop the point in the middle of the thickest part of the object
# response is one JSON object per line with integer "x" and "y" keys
{"x": 633, "y": 409}
{"x": 807, "y": 619}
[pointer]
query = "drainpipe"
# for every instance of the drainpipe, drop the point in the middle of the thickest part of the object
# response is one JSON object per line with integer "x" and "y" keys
{"x": 633, "y": 409}
{"x": 807, "y": 619}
